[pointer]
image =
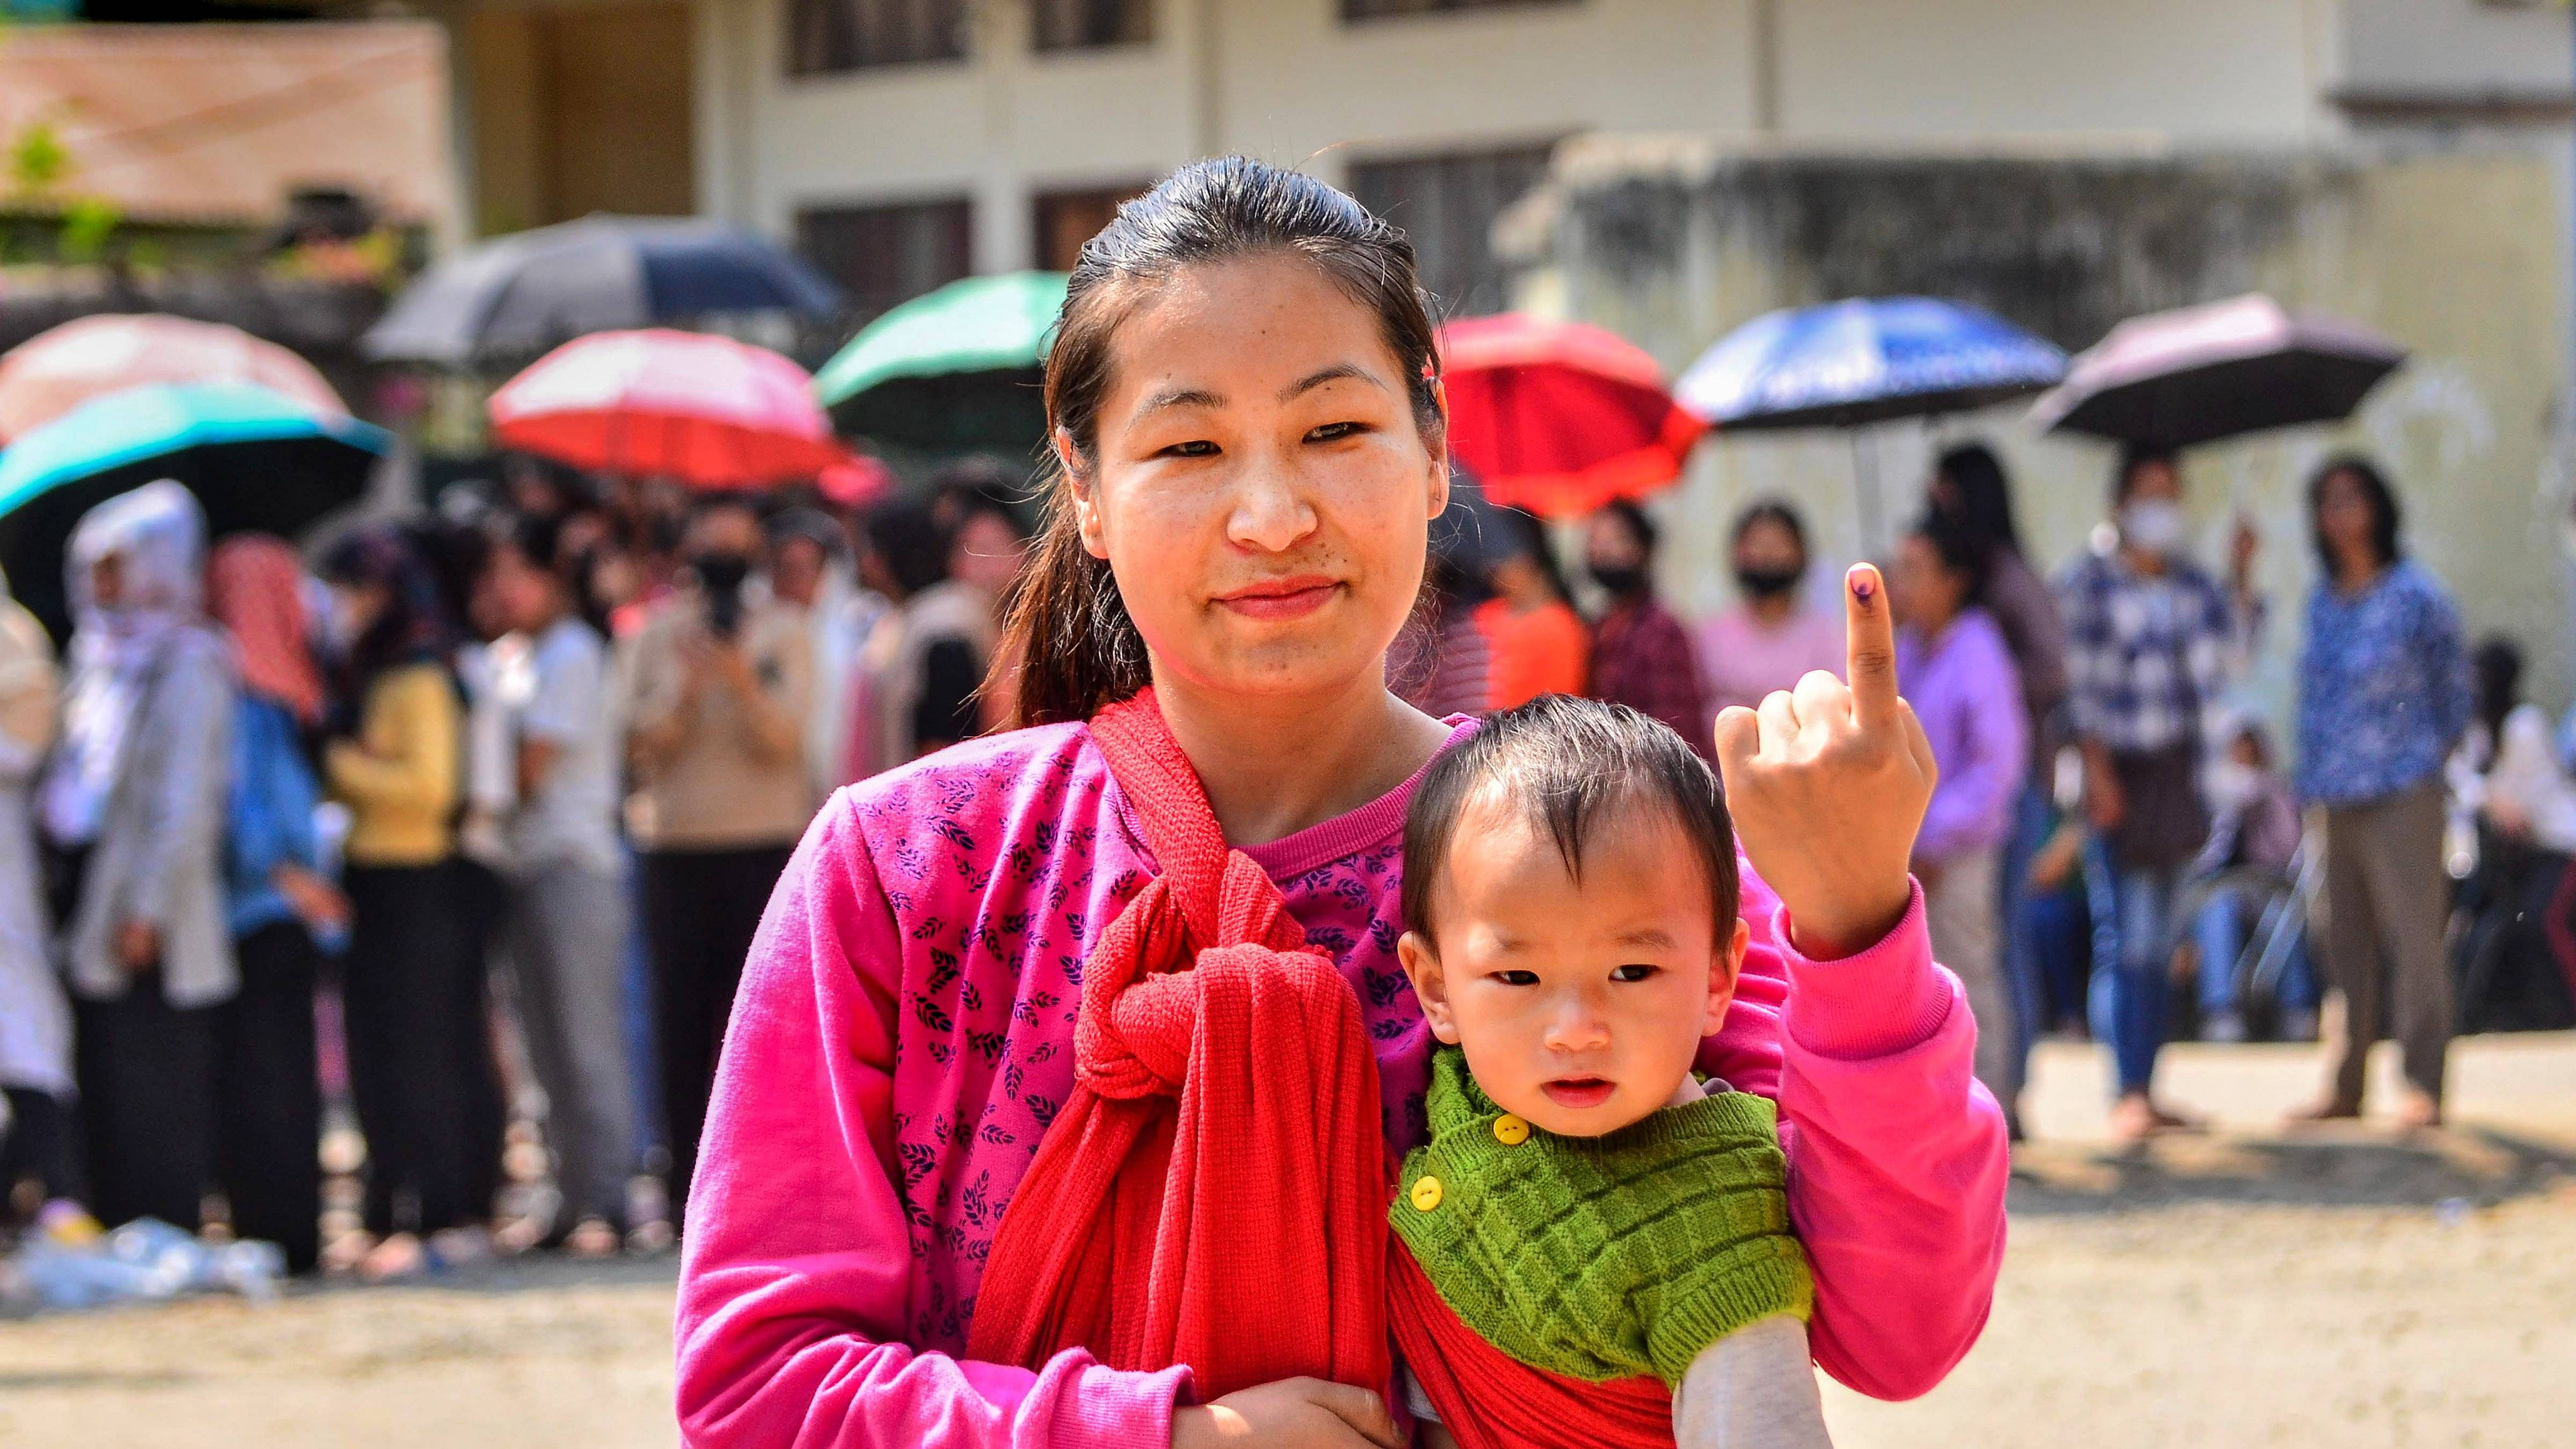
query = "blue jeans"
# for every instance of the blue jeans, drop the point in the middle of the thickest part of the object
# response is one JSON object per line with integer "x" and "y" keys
{"x": 2031, "y": 823}
{"x": 2132, "y": 948}
{"x": 2226, "y": 918}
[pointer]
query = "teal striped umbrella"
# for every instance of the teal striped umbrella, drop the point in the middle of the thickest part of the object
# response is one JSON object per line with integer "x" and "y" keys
{"x": 960, "y": 368}
{"x": 256, "y": 460}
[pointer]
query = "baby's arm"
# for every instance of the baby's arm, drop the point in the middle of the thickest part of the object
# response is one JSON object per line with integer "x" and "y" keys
{"x": 1753, "y": 1389}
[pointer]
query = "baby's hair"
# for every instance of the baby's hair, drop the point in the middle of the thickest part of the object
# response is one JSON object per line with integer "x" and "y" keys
{"x": 1567, "y": 763}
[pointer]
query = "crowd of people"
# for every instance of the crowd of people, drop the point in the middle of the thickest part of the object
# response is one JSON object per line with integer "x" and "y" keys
{"x": 508, "y": 788}
{"x": 495, "y": 787}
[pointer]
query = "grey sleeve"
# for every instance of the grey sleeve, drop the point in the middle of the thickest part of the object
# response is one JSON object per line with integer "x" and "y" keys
{"x": 1753, "y": 1389}
{"x": 187, "y": 744}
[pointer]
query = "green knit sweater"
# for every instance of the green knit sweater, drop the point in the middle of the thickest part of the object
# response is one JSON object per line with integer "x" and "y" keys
{"x": 1602, "y": 1258}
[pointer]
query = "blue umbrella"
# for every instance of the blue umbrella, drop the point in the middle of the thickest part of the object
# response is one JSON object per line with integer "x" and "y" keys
{"x": 255, "y": 459}
{"x": 1847, "y": 364}
{"x": 514, "y": 297}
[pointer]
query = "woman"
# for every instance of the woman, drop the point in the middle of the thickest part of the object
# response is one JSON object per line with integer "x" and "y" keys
{"x": 35, "y": 1021}
{"x": 1770, "y": 639}
{"x": 271, "y": 1095}
{"x": 1536, "y": 643}
{"x": 1248, "y": 435}
{"x": 1958, "y": 674}
{"x": 1641, "y": 655}
{"x": 2383, "y": 696}
{"x": 134, "y": 800}
{"x": 420, "y": 1064}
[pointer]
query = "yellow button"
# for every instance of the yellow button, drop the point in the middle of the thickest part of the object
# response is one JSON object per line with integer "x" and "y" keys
{"x": 1426, "y": 1194}
{"x": 1510, "y": 1131}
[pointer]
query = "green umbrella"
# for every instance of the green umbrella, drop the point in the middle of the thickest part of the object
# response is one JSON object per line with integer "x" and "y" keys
{"x": 957, "y": 369}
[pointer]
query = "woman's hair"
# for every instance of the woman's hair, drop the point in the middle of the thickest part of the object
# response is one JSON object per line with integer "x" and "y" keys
{"x": 1984, "y": 496}
{"x": 415, "y": 627}
{"x": 2385, "y": 514}
{"x": 1769, "y": 510}
{"x": 1569, "y": 765}
{"x": 1068, "y": 631}
{"x": 1517, "y": 533}
{"x": 2498, "y": 666}
{"x": 1634, "y": 519}
{"x": 2133, "y": 457}
{"x": 1961, "y": 550}
{"x": 909, "y": 542}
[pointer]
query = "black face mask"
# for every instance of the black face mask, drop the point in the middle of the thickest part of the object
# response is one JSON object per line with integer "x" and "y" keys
{"x": 720, "y": 573}
{"x": 1621, "y": 581}
{"x": 1767, "y": 583}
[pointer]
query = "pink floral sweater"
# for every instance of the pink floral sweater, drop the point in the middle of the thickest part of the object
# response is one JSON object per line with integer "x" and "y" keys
{"x": 904, "y": 1034}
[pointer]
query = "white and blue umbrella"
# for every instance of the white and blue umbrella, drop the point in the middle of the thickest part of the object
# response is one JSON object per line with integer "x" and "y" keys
{"x": 1869, "y": 360}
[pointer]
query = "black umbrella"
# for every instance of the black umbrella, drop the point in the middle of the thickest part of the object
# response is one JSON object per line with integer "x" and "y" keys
{"x": 507, "y": 300}
{"x": 2199, "y": 374}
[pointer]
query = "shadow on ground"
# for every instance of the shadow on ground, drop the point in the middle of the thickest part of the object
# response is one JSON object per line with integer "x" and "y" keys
{"x": 2335, "y": 1166}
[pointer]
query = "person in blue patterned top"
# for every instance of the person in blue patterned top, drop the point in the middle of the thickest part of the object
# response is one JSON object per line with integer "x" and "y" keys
{"x": 2384, "y": 694}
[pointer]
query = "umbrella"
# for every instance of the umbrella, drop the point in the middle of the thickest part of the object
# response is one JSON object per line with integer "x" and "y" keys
{"x": 2198, "y": 374}
{"x": 1869, "y": 360}
{"x": 254, "y": 458}
{"x": 1560, "y": 417}
{"x": 956, "y": 369}
{"x": 57, "y": 370}
{"x": 517, "y": 296}
{"x": 709, "y": 411}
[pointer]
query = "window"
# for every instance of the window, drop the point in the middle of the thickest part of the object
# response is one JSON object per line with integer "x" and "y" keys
{"x": 1448, "y": 205}
{"x": 1378, "y": 9}
{"x": 1067, "y": 219}
{"x": 885, "y": 255}
{"x": 835, "y": 35}
{"x": 1084, "y": 24}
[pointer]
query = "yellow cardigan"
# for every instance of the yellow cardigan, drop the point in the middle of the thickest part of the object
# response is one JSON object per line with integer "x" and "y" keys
{"x": 399, "y": 776}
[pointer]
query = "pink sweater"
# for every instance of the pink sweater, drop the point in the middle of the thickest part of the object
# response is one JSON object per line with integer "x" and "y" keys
{"x": 904, "y": 1034}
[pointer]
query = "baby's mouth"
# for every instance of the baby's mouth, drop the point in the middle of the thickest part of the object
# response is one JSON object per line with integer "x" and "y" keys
{"x": 1579, "y": 1092}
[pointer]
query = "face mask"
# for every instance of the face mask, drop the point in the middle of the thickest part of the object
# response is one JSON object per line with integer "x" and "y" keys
{"x": 2233, "y": 783}
{"x": 2152, "y": 524}
{"x": 720, "y": 573}
{"x": 1767, "y": 583}
{"x": 1629, "y": 580}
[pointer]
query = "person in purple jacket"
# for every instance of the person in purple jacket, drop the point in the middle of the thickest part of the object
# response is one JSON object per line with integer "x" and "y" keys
{"x": 1957, "y": 671}
{"x": 1249, "y": 442}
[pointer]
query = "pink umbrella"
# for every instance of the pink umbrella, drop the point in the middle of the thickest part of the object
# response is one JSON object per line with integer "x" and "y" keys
{"x": 708, "y": 411}
{"x": 55, "y": 371}
{"x": 2218, "y": 370}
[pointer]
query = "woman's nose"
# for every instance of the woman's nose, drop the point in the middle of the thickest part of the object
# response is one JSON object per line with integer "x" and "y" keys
{"x": 1271, "y": 513}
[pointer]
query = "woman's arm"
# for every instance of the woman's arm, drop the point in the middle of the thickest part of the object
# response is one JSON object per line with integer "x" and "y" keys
{"x": 797, "y": 1270}
{"x": 419, "y": 771}
{"x": 1975, "y": 794}
{"x": 1897, "y": 1159}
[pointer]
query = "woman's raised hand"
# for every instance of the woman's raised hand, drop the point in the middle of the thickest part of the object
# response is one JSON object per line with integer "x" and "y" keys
{"x": 1289, "y": 1414}
{"x": 1827, "y": 786}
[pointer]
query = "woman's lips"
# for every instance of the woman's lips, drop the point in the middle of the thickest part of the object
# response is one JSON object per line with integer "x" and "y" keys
{"x": 1578, "y": 1092}
{"x": 1281, "y": 598}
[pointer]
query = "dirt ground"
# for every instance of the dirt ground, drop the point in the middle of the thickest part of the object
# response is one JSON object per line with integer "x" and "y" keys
{"x": 2342, "y": 1288}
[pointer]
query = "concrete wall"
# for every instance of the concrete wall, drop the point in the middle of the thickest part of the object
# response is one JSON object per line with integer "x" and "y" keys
{"x": 1673, "y": 243}
{"x": 1288, "y": 80}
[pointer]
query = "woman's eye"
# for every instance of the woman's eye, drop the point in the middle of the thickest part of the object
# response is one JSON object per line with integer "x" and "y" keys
{"x": 1334, "y": 432}
{"x": 1517, "y": 978}
{"x": 1632, "y": 973}
{"x": 1195, "y": 448}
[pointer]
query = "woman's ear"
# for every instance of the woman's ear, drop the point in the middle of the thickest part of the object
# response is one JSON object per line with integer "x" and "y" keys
{"x": 1086, "y": 497}
{"x": 1422, "y": 968}
{"x": 1723, "y": 970}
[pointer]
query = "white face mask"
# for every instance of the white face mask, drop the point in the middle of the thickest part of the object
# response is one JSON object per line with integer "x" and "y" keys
{"x": 2152, "y": 524}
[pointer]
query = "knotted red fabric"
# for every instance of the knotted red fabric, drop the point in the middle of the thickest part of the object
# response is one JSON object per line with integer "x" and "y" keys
{"x": 1214, "y": 1193}
{"x": 1489, "y": 1400}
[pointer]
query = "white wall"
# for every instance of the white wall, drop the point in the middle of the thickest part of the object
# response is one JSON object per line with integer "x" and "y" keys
{"x": 1287, "y": 80}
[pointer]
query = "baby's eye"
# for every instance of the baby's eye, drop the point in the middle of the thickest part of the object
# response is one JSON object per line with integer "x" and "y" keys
{"x": 1633, "y": 973}
{"x": 1516, "y": 978}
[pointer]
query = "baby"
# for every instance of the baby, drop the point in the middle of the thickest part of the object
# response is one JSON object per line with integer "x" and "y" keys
{"x": 1584, "y": 1206}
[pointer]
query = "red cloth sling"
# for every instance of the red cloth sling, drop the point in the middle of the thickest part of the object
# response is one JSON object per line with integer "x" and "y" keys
{"x": 1214, "y": 1193}
{"x": 1490, "y": 1400}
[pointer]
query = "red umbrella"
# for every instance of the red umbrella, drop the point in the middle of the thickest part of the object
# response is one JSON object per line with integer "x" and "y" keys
{"x": 708, "y": 411}
{"x": 1560, "y": 417}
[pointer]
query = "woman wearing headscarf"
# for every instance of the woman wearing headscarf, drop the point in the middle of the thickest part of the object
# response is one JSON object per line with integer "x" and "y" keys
{"x": 419, "y": 1058}
{"x": 134, "y": 800}
{"x": 35, "y": 1021}
{"x": 270, "y": 1101}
